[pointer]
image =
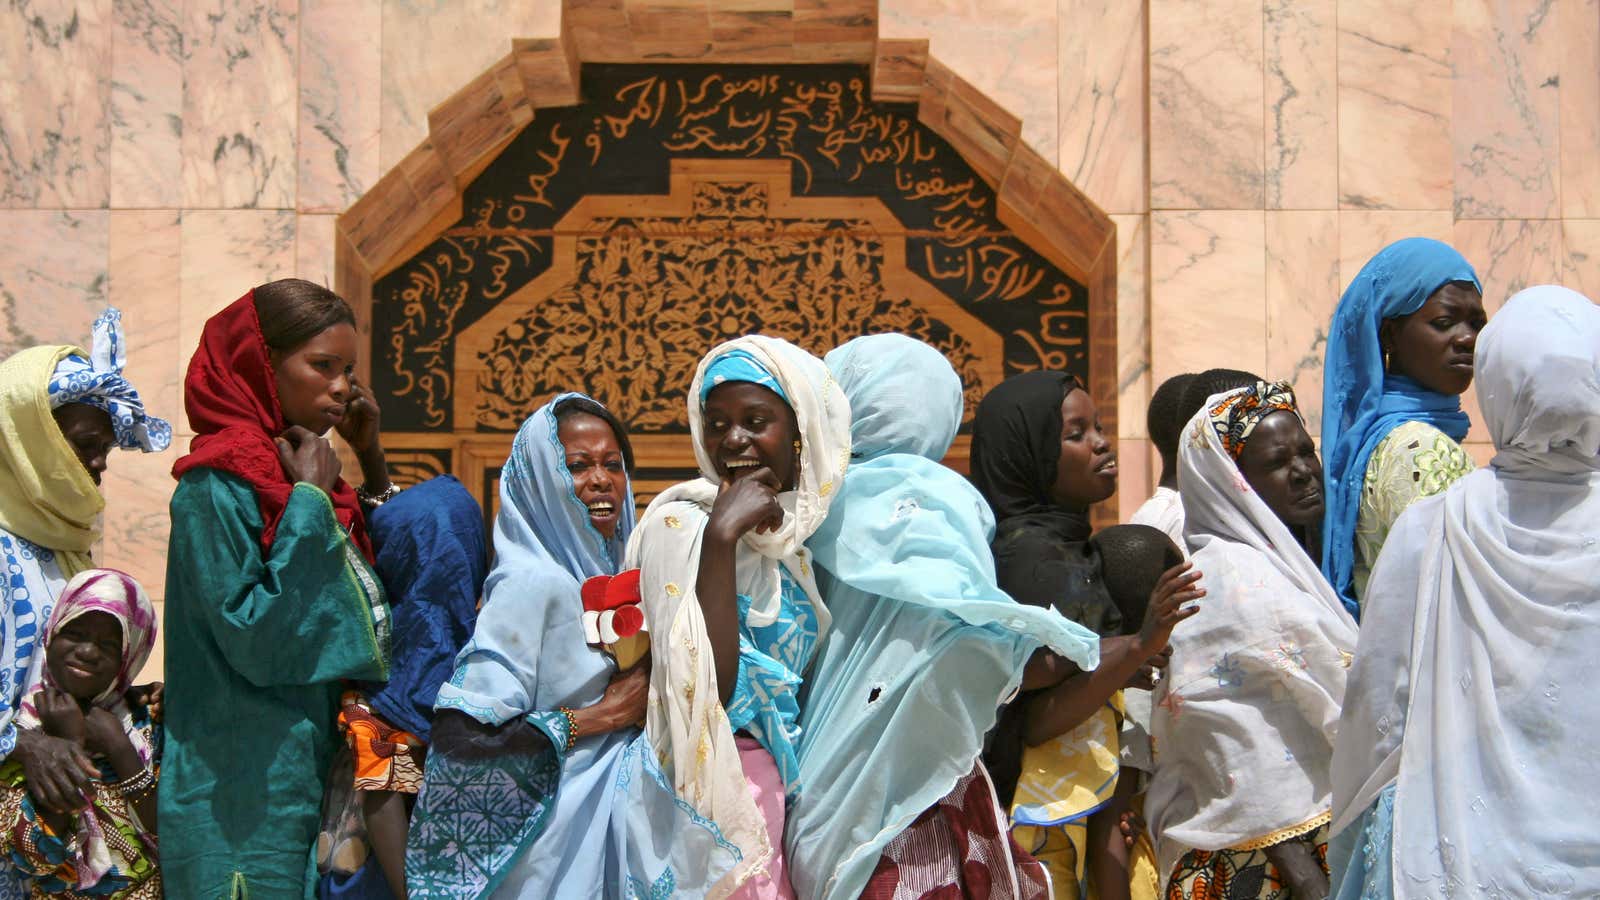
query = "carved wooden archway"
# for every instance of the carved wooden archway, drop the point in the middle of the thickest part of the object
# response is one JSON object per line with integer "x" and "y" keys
{"x": 597, "y": 209}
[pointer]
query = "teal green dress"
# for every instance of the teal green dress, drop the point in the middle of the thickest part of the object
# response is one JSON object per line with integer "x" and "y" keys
{"x": 257, "y": 644}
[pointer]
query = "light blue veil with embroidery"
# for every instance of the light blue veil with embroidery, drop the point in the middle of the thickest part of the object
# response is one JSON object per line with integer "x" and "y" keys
{"x": 598, "y": 819}
{"x": 924, "y": 646}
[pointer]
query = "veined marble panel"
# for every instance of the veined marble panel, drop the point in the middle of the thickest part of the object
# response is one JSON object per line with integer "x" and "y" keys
{"x": 239, "y": 109}
{"x": 1362, "y": 233}
{"x": 147, "y": 104}
{"x": 1580, "y": 108}
{"x": 1102, "y": 107}
{"x": 1394, "y": 105}
{"x": 1208, "y": 291}
{"x": 1004, "y": 48}
{"x": 55, "y": 91}
{"x": 1302, "y": 291}
{"x": 1506, "y": 114}
{"x": 1580, "y": 255}
{"x": 341, "y": 59}
{"x": 52, "y": 276}
{"x": 226, "y": 252}
{"x": 1206, "y": 104}
{"x": 313, "y": 248}
{"x": 432, "y": 48}
{"x": 1302, "y": 133}
{"x": 1133, "y": 324}
{"x": 1138, "y": 470}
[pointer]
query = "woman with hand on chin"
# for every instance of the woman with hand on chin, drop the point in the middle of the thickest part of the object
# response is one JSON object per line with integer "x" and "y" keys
{"x": 730, "y": 593}
{"x": 271, "y": 598}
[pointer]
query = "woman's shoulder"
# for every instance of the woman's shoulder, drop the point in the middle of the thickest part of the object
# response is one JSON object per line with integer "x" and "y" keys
{"x": 1415, "y": 433}
{"x": 1422, "y": 460}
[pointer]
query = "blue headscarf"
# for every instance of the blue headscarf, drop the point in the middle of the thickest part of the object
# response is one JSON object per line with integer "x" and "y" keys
{"x": 432, "y": 557}
{"x": 923, "y": 639}
{"x": 738, "y": 365}
{"x": 1361, "y": 404}
{"x": 98, "y": 382}
{"x": 545, "y": 547}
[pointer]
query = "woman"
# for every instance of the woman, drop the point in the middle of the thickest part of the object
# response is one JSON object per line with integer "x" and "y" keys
{"x": 95, "y": 644}
{"x": 923, "y": 650}
{"x": 1245, "y": 718}
{"x": 730, "y": 593}
{"x": 539, "y": 782}
{"x": 431, "y": 556}
{"x": 62, "y": 410}
{"x": 1466, "y": 741}
{"x": 271, "y": 598}
{"x": 1399, "y": 358}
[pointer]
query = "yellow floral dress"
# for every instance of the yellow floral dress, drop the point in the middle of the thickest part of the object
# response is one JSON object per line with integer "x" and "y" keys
{"x": 1416, "y": 460}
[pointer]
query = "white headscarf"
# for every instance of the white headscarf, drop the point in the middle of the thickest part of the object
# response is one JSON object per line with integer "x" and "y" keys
{"x": 1476, "y": 656}
{"x": 1245, "y": 719}
{"x": 686, "y": 722}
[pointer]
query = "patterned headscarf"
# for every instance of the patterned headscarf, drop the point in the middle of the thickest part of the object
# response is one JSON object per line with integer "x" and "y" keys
{"x": 98, "y": 382}
{"x": 1238, "y": 413}
{"x": 738, "y": 365}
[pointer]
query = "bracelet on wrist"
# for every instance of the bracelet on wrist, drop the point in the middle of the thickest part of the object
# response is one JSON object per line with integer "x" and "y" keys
{"x": 572, "y": 727}
{"x": 373, "y": 501}
{"x": 138, "y": 787}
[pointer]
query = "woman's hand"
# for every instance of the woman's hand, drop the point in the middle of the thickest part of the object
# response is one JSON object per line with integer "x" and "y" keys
{"x": 148, "y": 696}
{"x": 1177, "y": 586}
{"x": 1149, "y": 672}
{"x": 623, "y": 704}
{"x": 103, "y": 733}
{"x": 59, "y": 714}
{"x": 745, "y": 504}
{"x": 58, "y": 770}
{"x": 360, "y": 425}
{"x": 309, "y": 458}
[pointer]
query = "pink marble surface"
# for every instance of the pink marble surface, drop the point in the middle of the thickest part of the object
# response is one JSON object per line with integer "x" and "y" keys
{"x": 239, "y": 110}
{"x": 313, "y": 247}
{"x": 1505, "y": 123}
{"x": 1208, "y": 280}
{"x": 54, "y": 95}
{"x": 1580, "y": 107}
{"x": 1302, "y": 139}
{"x": 1362, "y": 233}
{"x": 1004, "y": 48}
{"x": 1207, "y": 106}
{"x": 1138, "y": 469}
{"x": 1133, "y": 324}
{"x": 1102, "y": 101}
{"x": 224, "y": 253}
{"x": 341, "y": 64}
{"x": 147, "y": 104}
{"x": 1394, "y": 105}
{"x": 1580, "y": 256}
{"x": 1302, "y": 291}
{"x": 52, "y": 276}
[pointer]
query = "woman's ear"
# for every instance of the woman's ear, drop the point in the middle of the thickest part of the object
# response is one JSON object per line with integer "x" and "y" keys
{"x": 1386, "y": 330}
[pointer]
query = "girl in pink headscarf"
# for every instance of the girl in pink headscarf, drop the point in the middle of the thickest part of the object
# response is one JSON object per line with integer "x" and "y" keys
{"x": 96, "y": 641}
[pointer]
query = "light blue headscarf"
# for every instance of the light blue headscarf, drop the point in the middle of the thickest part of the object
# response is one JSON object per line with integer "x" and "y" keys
{"x": 738, "y": 365}
{"x": 602, "y": 820}
{"x": 1360, "y": 403}
{"x": 925, "y": 646}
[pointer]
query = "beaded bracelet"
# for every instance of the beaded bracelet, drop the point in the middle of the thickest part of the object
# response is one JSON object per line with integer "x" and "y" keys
{"x": 376, "y": 500}
{"x": 138, "y": 786}
{"x": 572, "y": 727}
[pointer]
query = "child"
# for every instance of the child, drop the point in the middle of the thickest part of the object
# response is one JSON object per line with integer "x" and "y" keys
{"x": 100, "y": 844}
{"x": 1075, "y": 808}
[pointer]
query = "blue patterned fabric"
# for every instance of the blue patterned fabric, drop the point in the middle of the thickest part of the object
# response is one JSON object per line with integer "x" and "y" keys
{"x": 766, "y": 701}
{"x": 98, "y": 382}
{"x": 1360, "y": 403}
{"x": 1361, "y": 858}
{"x": 738, "y": 365}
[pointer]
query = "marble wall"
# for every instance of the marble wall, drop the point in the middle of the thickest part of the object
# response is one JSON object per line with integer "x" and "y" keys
{"x": 164, "y": 155}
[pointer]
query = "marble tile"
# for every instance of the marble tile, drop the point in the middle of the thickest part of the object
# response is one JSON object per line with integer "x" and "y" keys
{"x": 313, "y": 247}
{"x": 1362, "y": 233}
{"x": 1102, "y": 104}
{"x": 54, "y": 132}
{"x": 1302, "y": 139}
{"x": 1206, "y": 104}
{"x": 341, "y": 59}
{"x": 1580, "y": 107}
{"x": 147, "y": 104}
{"x": 1138, "y": 469}
{"x": 226, "y": 252}
{"x": 1394, "y": 105}
{"x": 239, "y": 109}
{"x": 1208, "y": 289}
{"x": 1505, "y": 123}
{"x": 1580, "y": 256}
{"x": 1004, "y": 48}
{"x": 52, "y": 276}
{"x": 1302, "y": 291}
{"x": 433, "y": 48}
{"x": 1133, "y": 324}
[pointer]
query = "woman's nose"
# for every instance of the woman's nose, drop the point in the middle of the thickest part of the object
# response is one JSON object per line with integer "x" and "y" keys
{"x": 341, "y": 387}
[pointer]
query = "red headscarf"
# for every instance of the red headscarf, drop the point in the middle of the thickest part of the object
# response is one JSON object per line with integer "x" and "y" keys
{"x": 232, "y": 401}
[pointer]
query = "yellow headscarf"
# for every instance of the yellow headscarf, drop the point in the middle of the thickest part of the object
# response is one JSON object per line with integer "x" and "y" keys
{"x": 46, "y": 495}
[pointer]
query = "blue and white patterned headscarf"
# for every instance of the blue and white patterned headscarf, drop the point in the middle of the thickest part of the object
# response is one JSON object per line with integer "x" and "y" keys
{"x": 738, "y": 365}
{"x": 98, "y": 382}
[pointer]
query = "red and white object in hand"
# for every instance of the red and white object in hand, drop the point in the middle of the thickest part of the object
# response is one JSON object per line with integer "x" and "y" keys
{"x": 613, "y": 619}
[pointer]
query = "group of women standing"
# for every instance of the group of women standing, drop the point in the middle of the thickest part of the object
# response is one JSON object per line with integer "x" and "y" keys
{"x": 829, "y": 667}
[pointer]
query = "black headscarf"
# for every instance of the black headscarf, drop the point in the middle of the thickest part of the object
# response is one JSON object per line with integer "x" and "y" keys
{"x": 1042, "y": 552}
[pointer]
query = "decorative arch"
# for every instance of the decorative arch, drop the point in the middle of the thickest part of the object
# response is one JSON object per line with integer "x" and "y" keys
{"x": 598, "y": 209}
